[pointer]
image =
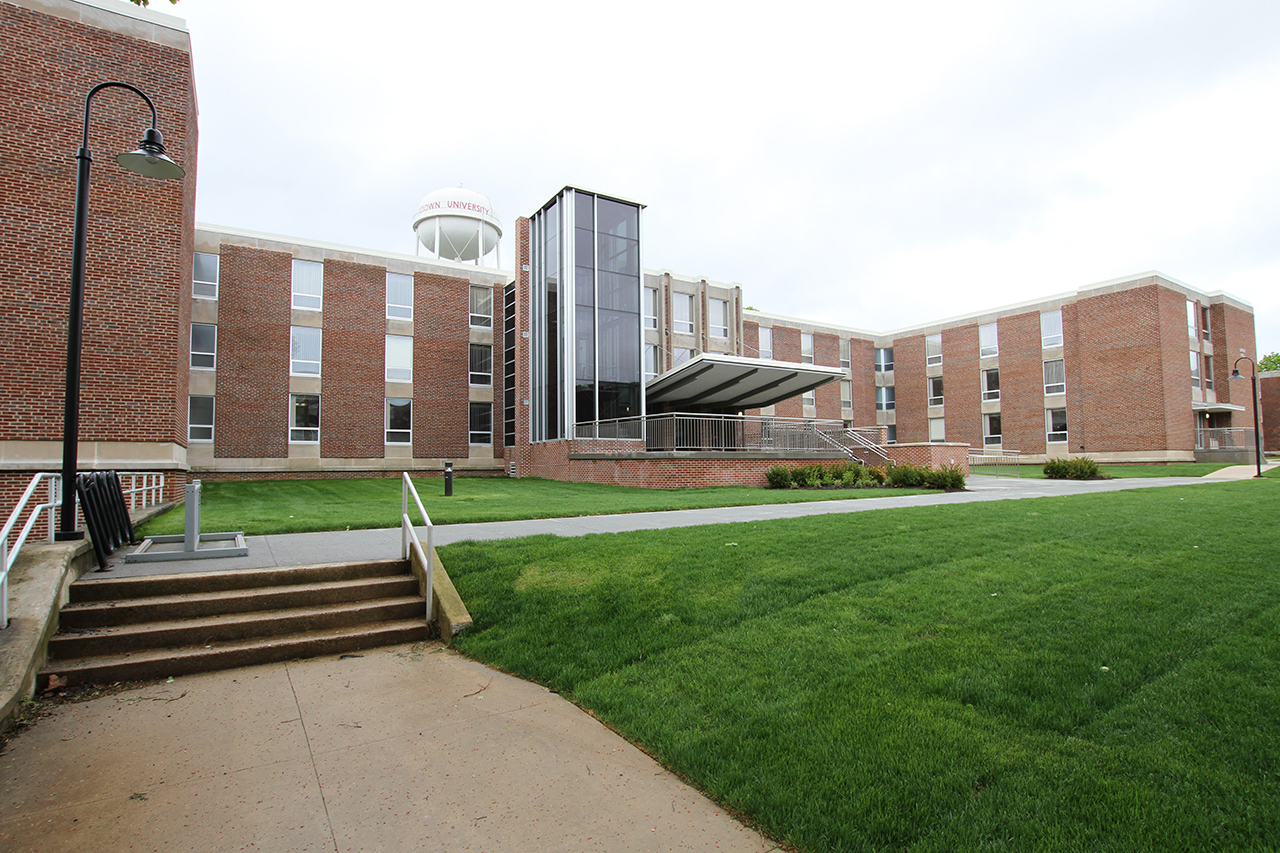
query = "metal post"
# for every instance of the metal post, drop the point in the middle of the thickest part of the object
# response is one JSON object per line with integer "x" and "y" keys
{"x": 75, "y": 324}
{"x": 448, "y": 479}
{"x": 1257, "y": 427}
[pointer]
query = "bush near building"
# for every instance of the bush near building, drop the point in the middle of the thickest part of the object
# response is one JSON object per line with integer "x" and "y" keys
{"x": 1082, "y": 468}
{"x": 848, "y": 475}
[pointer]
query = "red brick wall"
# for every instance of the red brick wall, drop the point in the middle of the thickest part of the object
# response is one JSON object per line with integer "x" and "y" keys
{"x": 1232, "y": 331}
{"x": 252, "y": 406}
{"x": 441, "y": 337}
{"x": 1269, "y": 389}
{"x": 786, "y": 347}
{"x": 931, "y": 455}
{"x": 863, "y": 371}
{"x": 960, "y": 385}
{"x": 1175, "y": 415}
{"x": 910, "y": 389}
{"x": 751, "y": 338}
{"x": 826, "y": 351}
{"x": 1022, "y": 384}
{"x": 352, "y": 399}
{"x": 138, "y": 263}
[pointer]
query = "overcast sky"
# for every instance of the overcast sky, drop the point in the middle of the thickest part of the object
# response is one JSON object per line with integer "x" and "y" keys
{"x": 877, "y": 165}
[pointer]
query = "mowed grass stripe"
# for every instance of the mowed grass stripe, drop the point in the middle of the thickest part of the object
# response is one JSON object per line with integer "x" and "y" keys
{"x": 851, "y": 682}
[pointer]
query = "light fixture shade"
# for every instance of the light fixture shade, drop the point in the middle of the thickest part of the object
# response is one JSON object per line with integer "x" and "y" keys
{"x": 150, "y": 159}
{"x": 1235, "y": 374}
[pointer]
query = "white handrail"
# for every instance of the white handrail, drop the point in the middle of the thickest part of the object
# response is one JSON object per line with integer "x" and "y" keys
{"x": 409, "y": 536}
{"x": 7, "y": 557}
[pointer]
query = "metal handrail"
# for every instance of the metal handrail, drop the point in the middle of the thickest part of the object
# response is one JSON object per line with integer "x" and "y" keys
{"x": 998, "y": 459}
{"x": 8, "y": 557}
{"x": 409, "y": 536}
{"x": 697, "y": 432}
{"x": 855, "y": 435}
{"x": 152, "y": 488}
{"x": 1224, "y": 438}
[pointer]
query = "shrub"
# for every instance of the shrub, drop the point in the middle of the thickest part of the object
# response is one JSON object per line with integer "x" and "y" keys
{"x": 778, "y": 477}
{"x": 906, "y": 476}
{"x": 1056, "y": 469}
{"x": 807, "y": 476}
{"x": 876, "y": 475}
{"x": 1082, "y": 468}
{"x": 948, "y": 478}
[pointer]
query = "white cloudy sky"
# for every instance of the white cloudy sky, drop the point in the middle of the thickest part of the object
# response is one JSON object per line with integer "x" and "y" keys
{"x": 870, "y": 164}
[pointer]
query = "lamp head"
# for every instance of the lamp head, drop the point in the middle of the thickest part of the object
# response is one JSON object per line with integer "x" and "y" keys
{"x": 1235, "y": 374}
{"x": 150, "y": 159}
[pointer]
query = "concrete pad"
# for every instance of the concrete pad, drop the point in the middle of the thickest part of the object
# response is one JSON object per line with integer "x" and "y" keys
{"x": 1238, "y": 472}
{"x": 403, "y": 748}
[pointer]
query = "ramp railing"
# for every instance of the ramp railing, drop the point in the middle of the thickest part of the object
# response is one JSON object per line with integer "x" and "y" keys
{"x": 9, "y": 556}
{"x": 409, "y": 541}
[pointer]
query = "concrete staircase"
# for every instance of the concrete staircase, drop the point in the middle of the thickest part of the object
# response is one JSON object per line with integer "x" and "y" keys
{"x": 137, "y": 628}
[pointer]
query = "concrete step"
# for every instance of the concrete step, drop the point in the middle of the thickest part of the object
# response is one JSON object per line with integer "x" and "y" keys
{"x": 162, "y": 663}
{"x": 99, "y": 587}
{"x": 193, "y": 605}
{"x": 198, "y": 632}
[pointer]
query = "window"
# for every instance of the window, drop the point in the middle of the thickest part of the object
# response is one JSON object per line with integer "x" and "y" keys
{"x": 1055, "y": 424}
{"x": 399, "y": 420}
{"x": 937, "y": 429}
{"x": 933, "y": 350}
{"x": 481, "y": 416}
{"x": 204, "y": 276}
{"x": 399, "y": 358}
{"x": 991, "y": 384}
{"x": 806, "y": 348}
{"x": 846, "y": 353}
{"x": 204, "y": 345}
{"x": 481, "y": 364}
{"x": 884, "y": 399}
{"x": 399, "y": 296}
{"x": 1193, "y": 314}
{"x": 304, "y": 418}
{"x": 1195, "y": 369}
{"x": 680, "y": 355}
{"x": 809, "y": 398}
{"x": 651, "y": 307}
{"x": 766, "y": 342}
{"x": 718, "y": 318}
{"x": 481, "y": 307}
{"x": 651, "y": 369}
{"x": 1208, "y": 373}
{"x": 308, "y": 284}
{"x": 1204, "y": 322}
{"x": 935, "y": 390}
{"x": 991, "y": 430}
{"x": 884, "y": 359}
{"x": 891, "y": 434}
{"x": 1055, "y": 377}
{"x": 682, "y": 312}
{"x": 199, "y": 419}
{"x": 304, "y": 351}
{"x": 988, "y": 341}
{"x": 846, "y": 394}
{"x": 1050, "y": 329}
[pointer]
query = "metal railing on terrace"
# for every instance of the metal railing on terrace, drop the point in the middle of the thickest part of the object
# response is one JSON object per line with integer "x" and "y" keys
{"x": 726, "y": 433}
{"x": 1227, "y": 438}
{"x": 996, "y": 461}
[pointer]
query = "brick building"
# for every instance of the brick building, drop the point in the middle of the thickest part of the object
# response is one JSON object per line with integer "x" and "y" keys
{"x": 215, "y": 352}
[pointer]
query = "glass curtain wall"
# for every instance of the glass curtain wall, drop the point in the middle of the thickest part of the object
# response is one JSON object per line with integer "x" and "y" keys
{"x": 587, "y": 344}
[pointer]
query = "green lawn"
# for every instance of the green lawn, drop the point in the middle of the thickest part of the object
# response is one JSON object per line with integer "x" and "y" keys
{"x": 297, "y": 506}
{"x": 1098, "y": 672}
{"x": 1173, "y": 469}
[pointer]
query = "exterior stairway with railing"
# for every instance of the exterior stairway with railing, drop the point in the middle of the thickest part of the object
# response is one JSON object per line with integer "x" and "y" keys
{"x": 857, "y": 445}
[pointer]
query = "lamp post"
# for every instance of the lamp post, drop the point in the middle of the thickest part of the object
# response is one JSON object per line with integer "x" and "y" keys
{"x": 148, "y": 160}
{"x": 1257, "y": 431}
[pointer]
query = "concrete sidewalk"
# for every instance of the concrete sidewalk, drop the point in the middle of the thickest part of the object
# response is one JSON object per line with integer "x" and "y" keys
{"x": 400, "y": 748}
{"x": 301, "y": 549}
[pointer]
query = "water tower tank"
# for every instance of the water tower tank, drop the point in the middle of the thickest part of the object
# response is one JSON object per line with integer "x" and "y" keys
{"x": 457, "y": 224}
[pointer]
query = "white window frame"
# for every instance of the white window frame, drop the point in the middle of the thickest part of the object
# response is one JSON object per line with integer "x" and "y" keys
{"x": 806, "y": 348}
{"x": 1051, "y": 388}
{"x": 651, "y": 307}
{"x": 203, "y": 288}
{"x": 809, "y": 398}
{"x": 303, "y": 297}
{"x": 989, "y": 393}
{"x": 935, "y": 390}
{"x": 476, "y": 377}
{"x": 192, "y": 426}
{"x": 988, "y": 340}
{"x": 891, "y": 434}
{"x": 298, "y": 434}
{"x": 393, "y": 361}
{"x": 933, "y": 350}
{"x": 718, "y": 318}
{"x": 1050, "y": 329}
{"x": 1205, "y": 330}
{"x": 473, "y": 434}
{"x": 1193, "y": 320}
{"x": 211, "y": 356}
{"x": 846, "y": 393}
{"x": 937, "y": 430}
{"x": 1208, "y": 372}
{"x": 397, "y": 436}
{"x": 990, "y": 439}
{"x": 846, "y": 353}
{"x": 479, "y": 319}
{"x": 766, "y": 350}
{"x": 682, "y": 303}
{"x": 399, "y": 310}
{"x": 651, "y": 366}
{"x": 1195, "y": 369}
{"x": 295, "y": 332}
{"x": 883, "y": 366}
{"x": 1052, "y": 436}
{"x": 677, "y": 359}
{"x": 885, "y": 401}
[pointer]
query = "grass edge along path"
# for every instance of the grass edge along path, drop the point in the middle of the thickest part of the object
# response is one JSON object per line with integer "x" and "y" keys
{"x": 1059, "y": 673}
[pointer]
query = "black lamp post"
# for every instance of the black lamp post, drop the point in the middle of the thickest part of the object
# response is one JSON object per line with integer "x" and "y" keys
{"x": 1257, "y": 431}
{"x": 149, "y": 160}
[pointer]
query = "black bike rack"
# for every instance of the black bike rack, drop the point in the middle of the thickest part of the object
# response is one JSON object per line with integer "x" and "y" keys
{"x": 105, "y": 514}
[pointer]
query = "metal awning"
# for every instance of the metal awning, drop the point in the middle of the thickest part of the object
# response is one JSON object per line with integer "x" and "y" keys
{"x": 714, "y": 383}
{"x": 1214, "y": 407}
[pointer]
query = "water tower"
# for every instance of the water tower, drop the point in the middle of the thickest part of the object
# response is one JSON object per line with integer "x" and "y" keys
{"x": 457, "y": 224}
